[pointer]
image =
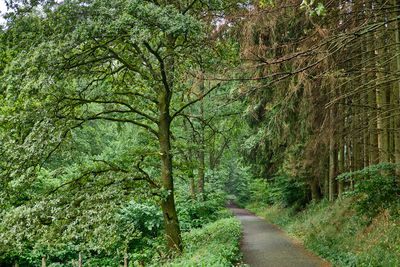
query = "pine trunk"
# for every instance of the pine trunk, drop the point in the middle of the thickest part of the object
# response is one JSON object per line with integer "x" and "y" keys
{"x": 315, "y": 192}
{"x": 396, "y": 93}
{"x": 332, "y": 155}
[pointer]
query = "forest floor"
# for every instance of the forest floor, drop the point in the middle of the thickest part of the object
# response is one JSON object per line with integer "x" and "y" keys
{"x": 265, "y": 244}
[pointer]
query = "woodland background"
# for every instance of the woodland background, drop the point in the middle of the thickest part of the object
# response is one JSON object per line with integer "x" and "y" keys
{"x": 125, "y": 125}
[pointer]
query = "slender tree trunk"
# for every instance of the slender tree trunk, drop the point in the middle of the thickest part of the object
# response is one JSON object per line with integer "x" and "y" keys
{"x": 325, "y": 174}
{"x": 125, "y": 258}
{"x": 200, "y": 178}
{"x": 381, "y": 94}
{"x": 341, "y": 155}
{"x": 364, "y": 99}
{"x": 212, "y": 152}
{"x": 373, "y": 138}
{"x": 332, "y": 155}
{"x": 365, "y": 131}
{"x": 80, "y": 259}
{"x": 396, "y": 93}
{"x": 314, "y": 186}
{"x": 356, "y": 136}
{"x": 190, "y": 162}
{"x": 43, "y": 262}
{"x": 192, "y": 187}
{"x": 391, "y": 126}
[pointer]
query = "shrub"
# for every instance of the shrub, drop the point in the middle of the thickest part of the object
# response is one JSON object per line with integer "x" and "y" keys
{"x": 375, "y": 188}
{"x": 215, "y": 244}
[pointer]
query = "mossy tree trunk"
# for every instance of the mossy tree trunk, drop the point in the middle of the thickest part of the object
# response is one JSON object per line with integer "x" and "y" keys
{"x": 171, "y": 224}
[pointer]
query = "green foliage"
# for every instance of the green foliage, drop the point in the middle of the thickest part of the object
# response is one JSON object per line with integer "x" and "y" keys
{"x": 280, "y": 189}
{"x": 215, "y": 244}
{"x": 260, "y": 192}
{"x": 290, "y": 192}
{"x": 375, "y": 188}
{"x": 267, "y": 3}
{"x": 194, "y": 213}
{"x": 146, "y": 218}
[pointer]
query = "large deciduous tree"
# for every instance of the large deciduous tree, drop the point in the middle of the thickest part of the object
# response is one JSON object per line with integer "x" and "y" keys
{"x": 78, "y": 61}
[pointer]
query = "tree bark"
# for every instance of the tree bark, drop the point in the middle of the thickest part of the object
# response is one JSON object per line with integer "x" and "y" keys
{"x": 173, "y": 232}
{"x": 125, "y": 258}
{"x": 171, "y": 223}
{"x": 190, "y": 161}
{"x": 396, "y": 89}
{"x": 201, "y": 153}
{"x": 314, "y": 186}
{"x": 381, "y": 95}
{"x": 372, "y": 125}
{"x": 332, "y": 155}
{"x": 341, "y": 157}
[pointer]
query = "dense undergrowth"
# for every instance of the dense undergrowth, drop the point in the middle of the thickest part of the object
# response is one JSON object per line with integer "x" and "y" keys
{"x": 338, "y": 233}
{"x": 210, "y": 235}
{"x": 215, "y": 244}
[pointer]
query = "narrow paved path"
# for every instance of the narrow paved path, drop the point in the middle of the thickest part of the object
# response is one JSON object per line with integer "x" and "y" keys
{"x": 263, "y": 244}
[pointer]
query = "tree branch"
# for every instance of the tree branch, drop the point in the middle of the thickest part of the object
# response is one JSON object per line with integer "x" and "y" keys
{"x": 194, "y": 101}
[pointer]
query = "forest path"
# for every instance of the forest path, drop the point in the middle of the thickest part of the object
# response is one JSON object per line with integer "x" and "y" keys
{"x": 264, "y": 244}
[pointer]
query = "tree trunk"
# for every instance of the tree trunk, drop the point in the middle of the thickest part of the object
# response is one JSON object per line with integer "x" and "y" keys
{"x": 356, "y": 135}
{"x": 396, "y": 93}
{"x": 172, "y": 229}
{"x": 171, "y": 223}
{"x": 332, "y": 155}
{"x": 201, "y": 154}
{"x": 192, "y": 187}
{"x": 315, "y": 192}
{"x": 365, "y": 131}
{"x": 341, "y": 162}
{"x": 381, "y": 94}
{"x": 125, "y": 258}
{"x": 189, "y": 159}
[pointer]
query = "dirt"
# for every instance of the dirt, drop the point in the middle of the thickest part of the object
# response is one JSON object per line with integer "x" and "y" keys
{"x": 264, "y": 244}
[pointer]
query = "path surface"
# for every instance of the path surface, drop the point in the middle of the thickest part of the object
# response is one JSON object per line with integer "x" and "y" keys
{"x": 263, "y": 244}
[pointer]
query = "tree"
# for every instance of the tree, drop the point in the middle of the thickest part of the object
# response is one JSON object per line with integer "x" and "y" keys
{"x": 118, "y": 61}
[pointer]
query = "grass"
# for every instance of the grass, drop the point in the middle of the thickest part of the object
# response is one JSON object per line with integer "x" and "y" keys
{"x": 338, "y": 234}
{"x": 215, "y": 244}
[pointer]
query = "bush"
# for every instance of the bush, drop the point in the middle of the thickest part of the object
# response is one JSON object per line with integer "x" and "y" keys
{"x": 216, "y": 244}
{"x": 281, "y": 189}
{"x": 375, "y": 188}
{"x": 195, "y": 213}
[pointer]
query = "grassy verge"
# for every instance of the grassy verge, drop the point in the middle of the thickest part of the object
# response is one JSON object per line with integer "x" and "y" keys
{"x": 338, "y": 234}
{"x": 215, "y": 244}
